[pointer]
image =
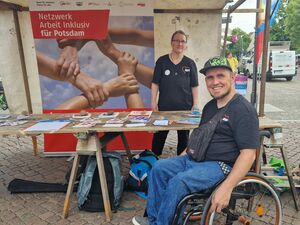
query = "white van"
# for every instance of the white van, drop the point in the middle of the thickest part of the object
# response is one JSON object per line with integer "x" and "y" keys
{"x": 281, "y": 64}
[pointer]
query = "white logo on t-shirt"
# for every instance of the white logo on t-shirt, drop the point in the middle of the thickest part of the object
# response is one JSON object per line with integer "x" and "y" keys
{"x": 167, "y": 72}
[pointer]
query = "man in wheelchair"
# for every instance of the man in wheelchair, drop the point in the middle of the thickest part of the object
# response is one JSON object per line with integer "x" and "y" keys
{"x": 225, "y": 144}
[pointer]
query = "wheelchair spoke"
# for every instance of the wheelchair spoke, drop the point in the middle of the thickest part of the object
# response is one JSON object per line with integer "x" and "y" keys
{"x": 265, "y": 206}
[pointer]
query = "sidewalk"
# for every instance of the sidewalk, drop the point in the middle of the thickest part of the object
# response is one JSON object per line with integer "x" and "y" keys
{"x": 17, "y": 161}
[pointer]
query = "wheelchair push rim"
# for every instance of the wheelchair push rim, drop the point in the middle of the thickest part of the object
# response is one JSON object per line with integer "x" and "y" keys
{"x": 208, "y": 218}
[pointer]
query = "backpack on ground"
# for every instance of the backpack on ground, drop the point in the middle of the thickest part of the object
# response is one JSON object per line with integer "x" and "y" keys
{"x": 89, "y": 194}
{"x": 140, "y": 166}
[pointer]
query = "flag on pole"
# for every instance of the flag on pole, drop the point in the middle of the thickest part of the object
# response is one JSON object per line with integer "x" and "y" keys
{"x": 275, "y": 4}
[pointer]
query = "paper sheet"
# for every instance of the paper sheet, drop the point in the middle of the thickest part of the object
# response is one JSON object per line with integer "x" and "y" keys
{"x": 48, "y": 125}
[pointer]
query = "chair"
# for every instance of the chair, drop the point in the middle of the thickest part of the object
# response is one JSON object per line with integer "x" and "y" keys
{"x": 253, "y": 201}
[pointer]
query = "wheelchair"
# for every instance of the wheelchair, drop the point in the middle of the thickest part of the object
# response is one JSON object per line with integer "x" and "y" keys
{"x": 253, "y": 201}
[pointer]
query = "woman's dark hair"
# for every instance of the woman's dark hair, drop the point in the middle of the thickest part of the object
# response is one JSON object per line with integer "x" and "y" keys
{"x": 179, "y": 32}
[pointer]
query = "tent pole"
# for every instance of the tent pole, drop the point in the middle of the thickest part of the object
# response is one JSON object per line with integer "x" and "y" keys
{"x": 25, "y": 75}
{"x": 253, "y": 96}
{"x": 264, "y": 59}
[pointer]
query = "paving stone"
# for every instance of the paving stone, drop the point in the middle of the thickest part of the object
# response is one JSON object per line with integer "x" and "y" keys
{"x": 17, "y": 161}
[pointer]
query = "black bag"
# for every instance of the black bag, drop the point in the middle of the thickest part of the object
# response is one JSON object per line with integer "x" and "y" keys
{"x": 201, "y": 136}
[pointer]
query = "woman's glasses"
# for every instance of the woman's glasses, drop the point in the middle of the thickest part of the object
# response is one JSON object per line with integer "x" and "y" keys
{"x": 179, "y": 41}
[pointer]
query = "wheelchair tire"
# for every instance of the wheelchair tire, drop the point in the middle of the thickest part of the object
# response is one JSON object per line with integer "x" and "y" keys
{"x": 253, "y": 189}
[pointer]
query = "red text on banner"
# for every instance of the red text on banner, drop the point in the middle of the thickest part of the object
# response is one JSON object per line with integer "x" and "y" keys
{"x": 83, "y": 24}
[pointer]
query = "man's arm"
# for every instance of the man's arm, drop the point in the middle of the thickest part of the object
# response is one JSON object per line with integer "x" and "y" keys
{"x": 241, "y": 167}
{"x": 195, "y": 93}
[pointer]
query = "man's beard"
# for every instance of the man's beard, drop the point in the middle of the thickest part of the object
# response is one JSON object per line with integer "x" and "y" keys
{"x": 221, "y": 96}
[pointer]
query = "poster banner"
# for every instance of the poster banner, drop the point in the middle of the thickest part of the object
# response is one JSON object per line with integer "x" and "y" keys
{"x": 111, "y": 43}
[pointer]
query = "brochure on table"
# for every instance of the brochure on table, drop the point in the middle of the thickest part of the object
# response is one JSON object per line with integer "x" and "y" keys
{"x": 139, "y": 116}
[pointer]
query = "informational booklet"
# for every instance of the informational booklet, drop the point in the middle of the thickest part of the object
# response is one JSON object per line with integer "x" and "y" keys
{"x": 48, "y": 125}
{"x": 194, "y": 113}
{"x": 108, "y": 115}
{"x": 113, "y": 125}
{"x": 4, "y": 116}
{"x": 188, "y": 121}
{"x": 135, "y": 125}
{"x": 161, "y": 123}
{"x": 144, "y": 114}
{"x": 139, "y": 120}
{"x": 116, "y": 120}
{"x": 139, "y": 116}
{"x": 90, "y": 122}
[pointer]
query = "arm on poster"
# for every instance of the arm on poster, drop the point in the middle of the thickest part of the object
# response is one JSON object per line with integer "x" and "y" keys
{"x": 130, "y": 36}
{"x": 118, "y": 86}
{"x": 68, "y": 63}
{"x": 91, "y": 88}
{"x": 143, "y": 73}
{"x": 127, "y": 64}
{"x": 68, "y": 60}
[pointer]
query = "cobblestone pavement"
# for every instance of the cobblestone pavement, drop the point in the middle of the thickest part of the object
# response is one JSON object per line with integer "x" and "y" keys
{"x": 17, "y": 161}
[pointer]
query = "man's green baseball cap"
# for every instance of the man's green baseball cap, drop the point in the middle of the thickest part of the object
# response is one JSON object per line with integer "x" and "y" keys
{"x": 216, "y": 62}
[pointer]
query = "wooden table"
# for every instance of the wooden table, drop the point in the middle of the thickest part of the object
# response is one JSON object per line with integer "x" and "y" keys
{"x": 88, "y": 142}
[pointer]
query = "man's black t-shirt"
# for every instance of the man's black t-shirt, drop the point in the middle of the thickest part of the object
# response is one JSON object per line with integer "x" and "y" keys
{"x": 237, "y": 130}
{"x": 175, "y": 83}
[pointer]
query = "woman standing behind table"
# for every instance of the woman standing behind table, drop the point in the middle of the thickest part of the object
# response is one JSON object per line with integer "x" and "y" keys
{"x": 176, "y": 79}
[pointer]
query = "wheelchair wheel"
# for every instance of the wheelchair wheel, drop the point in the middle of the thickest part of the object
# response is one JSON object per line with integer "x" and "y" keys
{"x": 253, "y": 201}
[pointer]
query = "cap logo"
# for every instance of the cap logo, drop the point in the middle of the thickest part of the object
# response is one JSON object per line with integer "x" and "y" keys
{"x": 218, "y": 61}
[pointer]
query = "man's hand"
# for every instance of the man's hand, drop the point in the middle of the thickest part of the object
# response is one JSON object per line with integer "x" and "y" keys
{"x": 92, "y": 89}
{"x": 220, "y": 199}
{"x": 127, "y": 63}
{"x": 67, "y": 63}
{"x": 121, "y": 85}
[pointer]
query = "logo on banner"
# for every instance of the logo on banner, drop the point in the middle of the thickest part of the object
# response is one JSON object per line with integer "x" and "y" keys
{"x": 79, "y": 3}
{"x": 141, "y": 4}
{"x": 63, "y": 3}
{"x": 94, "y": 3}
{"x": 45, "y": 3}
{"x": 123, "y": 4}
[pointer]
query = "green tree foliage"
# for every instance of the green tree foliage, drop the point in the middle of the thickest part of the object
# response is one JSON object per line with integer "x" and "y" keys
{"x": 238, "y": 48}
{"x": 292, "y": 24}
{"x": 278, "y": 32}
